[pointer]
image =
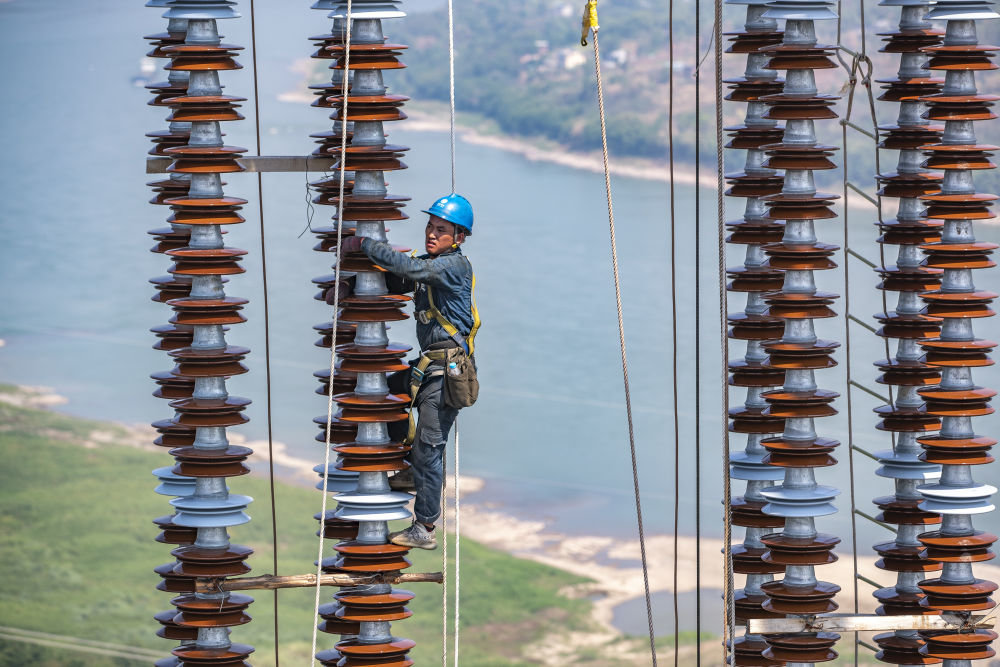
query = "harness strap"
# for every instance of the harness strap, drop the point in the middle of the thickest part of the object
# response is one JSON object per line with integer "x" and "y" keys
{"x": 417, "y": 374}
{"x": 467, "y": 344}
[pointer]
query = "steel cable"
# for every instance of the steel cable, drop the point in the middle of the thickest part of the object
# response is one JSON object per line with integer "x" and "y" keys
{"x": 267, "y": 330}
{"x": 621, "y": 339}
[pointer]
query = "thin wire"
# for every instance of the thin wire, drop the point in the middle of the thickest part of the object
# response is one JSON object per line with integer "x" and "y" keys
{"x": 697, "y": 340}
{"x": 621, "y": 339}
{"x": 267, "y": 334}
{"x": 673, "y": 327}
{"x": 451, "y": 90}
{"x": 348, "y": 26}
{"x": 729, "y": 612}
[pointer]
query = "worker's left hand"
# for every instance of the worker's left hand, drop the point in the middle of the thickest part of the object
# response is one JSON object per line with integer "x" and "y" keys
{"x": 342, "y": 293}
{"x": 351, "y": 244}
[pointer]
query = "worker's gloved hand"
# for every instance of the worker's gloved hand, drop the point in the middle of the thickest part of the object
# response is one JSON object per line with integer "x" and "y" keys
{"x": 351, "y": 244}
{"x": 345, "y": 291}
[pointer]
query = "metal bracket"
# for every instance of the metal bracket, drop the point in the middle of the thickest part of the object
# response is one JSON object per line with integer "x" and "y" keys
{"x": 260, "y": 163}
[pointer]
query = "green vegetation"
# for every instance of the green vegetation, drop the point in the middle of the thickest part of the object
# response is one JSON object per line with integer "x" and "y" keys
{"x": 78, "y": 554}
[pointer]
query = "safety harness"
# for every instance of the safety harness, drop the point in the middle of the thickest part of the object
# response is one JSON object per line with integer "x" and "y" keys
{"x": 418, "y": 373}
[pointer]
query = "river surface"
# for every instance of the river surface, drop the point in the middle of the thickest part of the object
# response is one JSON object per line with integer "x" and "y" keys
{"x": 549, "y": 432}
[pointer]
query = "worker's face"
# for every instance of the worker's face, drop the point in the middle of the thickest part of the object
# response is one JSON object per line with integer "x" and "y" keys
{"x": 440, "y": 236}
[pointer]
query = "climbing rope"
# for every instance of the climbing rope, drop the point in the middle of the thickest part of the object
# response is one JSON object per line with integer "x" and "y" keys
{"x": 348, "y": 26}
{"x": 590, "y": 26}
{"x": 267, "y": 333}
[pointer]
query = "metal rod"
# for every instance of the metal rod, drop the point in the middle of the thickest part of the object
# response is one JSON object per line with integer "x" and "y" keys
{"x": 865, "y": 195}
{"x": 271, "y": 582}
{"x": 862, "y": 323}
{"x": 854, "y": 126}
{"x": 870, "y": 582}
{"x": 865, "y": 452}
{"x": 874, "y": 520}
{"x": 261, "y": 163}
{"x": 870, "y": 391}
{"x": 862, "y": 258}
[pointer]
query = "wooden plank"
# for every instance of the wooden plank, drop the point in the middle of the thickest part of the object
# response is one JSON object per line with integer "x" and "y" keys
{"x": 271, "y": 582}
{"x": 260, "y": 163}
{"x": 852, "y": 623}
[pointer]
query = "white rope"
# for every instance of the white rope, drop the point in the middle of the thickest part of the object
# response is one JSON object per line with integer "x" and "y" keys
{"x": 333, "y": 341}
{"x": 444, "y": 563}
{"x": 444, "y": 509}
{"x": 451, "y": 86}
{"x": 458, "y": 543}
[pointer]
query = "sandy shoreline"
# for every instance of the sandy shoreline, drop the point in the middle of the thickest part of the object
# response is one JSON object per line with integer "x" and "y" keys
{"x": 613, "y": 565}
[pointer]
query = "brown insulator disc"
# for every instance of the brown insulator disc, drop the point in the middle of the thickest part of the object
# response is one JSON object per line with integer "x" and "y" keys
{"x": 898, "y": 650}
{"x": 751, "y": 42}
{"x": 786, "y": 453}
{"x": 340, "y": 431}
{"x": 971, "y": 548}
{"x": 171, "y": 630}
{"x": 171, "y": 387}
{"x": 368, "y": 458}
{"x": 387, "y": 651}
{"x": 207, "y": 311}
{"x": 230, "y": 656}
{"x": 337, "y": 529}
{"x": 750, "y": 514}
{"x": 380, "y": 607}
{"x": 172, "y": 533}
{"x": 904, "y": 511}
{"x": 172, "y": 582}
{"x": 951, "y": 596}
{"x": 213, "y": 563}
{"x": 747, "y": 650}
{"x": 815, "y": 550}
{"x": 802, "y": 647}
{"x": 212, "y": 612}
{"x": 746, "y": 560}
{"x": 957, "y": 451}
{"x": 970, "y": 645}
{"x": 170, "y": 287}
{"x": 196, "y": 462}
{"x": 342, "y": 380}
{"x": 896, "y": 558}
{"x": 371, "y": 564}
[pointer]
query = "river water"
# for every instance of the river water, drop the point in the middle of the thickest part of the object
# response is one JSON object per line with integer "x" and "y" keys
{"x": 549, "y": 433}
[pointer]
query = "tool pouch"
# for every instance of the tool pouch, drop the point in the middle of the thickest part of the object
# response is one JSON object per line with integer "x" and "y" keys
{"x": 461, "y": 383}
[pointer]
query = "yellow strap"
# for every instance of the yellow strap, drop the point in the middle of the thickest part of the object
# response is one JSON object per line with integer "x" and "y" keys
{"x": 450, "y": 328}
{"x": 589, "y": 21}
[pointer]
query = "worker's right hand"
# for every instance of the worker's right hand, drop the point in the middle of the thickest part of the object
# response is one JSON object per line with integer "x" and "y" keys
{"x": 351, "y": 244}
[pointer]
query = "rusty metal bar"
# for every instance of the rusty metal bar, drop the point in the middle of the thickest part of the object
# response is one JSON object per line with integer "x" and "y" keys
{"x": 272, "y": 582}
{"x": 868, "y": 623}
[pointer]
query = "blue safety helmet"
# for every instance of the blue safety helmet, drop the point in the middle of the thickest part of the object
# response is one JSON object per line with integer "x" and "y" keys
{"x": 456, "y": 209}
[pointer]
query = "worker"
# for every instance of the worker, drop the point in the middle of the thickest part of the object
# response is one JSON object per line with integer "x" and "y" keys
{"x": 442, "y": 281}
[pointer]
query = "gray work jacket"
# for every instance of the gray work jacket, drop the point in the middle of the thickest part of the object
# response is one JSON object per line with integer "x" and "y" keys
{"x": 449, "y": 275}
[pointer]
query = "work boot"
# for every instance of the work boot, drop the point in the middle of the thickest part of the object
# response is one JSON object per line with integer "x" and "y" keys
{"x": 403, "y": 481}
{"x": 416, "y": 537}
